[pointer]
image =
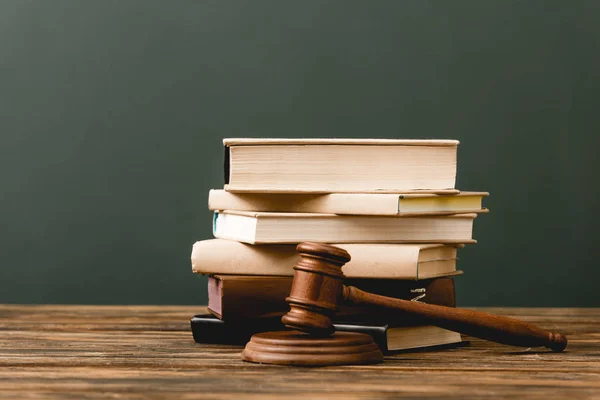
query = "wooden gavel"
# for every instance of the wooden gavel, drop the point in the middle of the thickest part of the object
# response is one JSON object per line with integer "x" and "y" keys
{"x": 317, "y": 288}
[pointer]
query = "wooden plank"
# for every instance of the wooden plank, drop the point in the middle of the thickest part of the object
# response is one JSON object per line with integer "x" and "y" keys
{"x": 148, "y": 352}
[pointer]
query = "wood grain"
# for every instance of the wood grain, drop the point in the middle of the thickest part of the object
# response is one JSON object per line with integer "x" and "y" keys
{"x": 140, "y": 352}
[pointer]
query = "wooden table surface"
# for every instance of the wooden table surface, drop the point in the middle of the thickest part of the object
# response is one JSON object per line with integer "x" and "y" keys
{"x": 78, "y": 352}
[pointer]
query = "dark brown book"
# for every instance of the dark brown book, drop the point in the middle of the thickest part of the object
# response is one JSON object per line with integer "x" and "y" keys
{"x": 232, "y": 297}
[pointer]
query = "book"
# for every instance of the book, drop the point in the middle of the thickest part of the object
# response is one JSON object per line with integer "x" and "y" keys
{"x": 243, "y": 296}
{"x": 349, "y": 203}
{"x": 374, "y": 260}
{"x": 339, "y": 165}
{"x": 391, "y": 338}
{"x": 208, "y": 329}
{"x": 268, "y": 227}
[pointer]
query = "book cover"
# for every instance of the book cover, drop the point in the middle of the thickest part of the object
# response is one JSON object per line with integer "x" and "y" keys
{"x": 376, "y": 260}
{"x": 269, "y": 227}
{"x": 399, "y": 204}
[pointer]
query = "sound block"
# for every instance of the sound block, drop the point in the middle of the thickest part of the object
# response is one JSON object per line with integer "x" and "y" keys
{"x": 297, "y": 348}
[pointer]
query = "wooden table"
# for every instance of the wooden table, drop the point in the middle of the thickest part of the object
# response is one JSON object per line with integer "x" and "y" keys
{"x": 148, "y": 352}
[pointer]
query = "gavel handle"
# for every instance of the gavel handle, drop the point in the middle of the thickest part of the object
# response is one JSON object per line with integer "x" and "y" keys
{"x": 474, "y": 323}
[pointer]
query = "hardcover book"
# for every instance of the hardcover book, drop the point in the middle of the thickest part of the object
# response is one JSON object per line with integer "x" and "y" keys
{"x": 206, "y": 328}
{"x": 349, "y": 203}
{"x": 267, "y": 227}
{"x": 375, "y": 260}
{"x": 243, "y": 296}
{"x": 339, "y": 165}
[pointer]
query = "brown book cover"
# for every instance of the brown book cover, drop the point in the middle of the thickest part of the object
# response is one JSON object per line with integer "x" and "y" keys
{"x": 232, "y": 297}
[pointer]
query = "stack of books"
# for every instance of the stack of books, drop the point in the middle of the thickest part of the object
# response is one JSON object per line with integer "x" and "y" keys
{"x": 390, "y": 203}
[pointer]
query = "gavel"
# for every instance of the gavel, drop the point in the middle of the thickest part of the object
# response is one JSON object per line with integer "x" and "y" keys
{"x": 317, "y": 289}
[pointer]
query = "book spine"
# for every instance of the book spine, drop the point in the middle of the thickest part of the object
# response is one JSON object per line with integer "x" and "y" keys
{"x": 214, "y": 223}
{"x": 249, "y": 298}
{"x": 217, "y": 256}
{"x": 226, "y": 164}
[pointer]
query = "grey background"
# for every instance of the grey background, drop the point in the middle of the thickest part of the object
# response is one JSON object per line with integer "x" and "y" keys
{"x": 112, "y": 115}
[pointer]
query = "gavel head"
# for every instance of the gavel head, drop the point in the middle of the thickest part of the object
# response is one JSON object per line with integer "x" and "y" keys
{"x": 316, "y": 288}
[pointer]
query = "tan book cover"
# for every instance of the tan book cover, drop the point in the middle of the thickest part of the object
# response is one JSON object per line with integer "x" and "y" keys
{"x": 349, "y": 203}
{"x": 266, "y": 227}
{"x": 389, "y": 261}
